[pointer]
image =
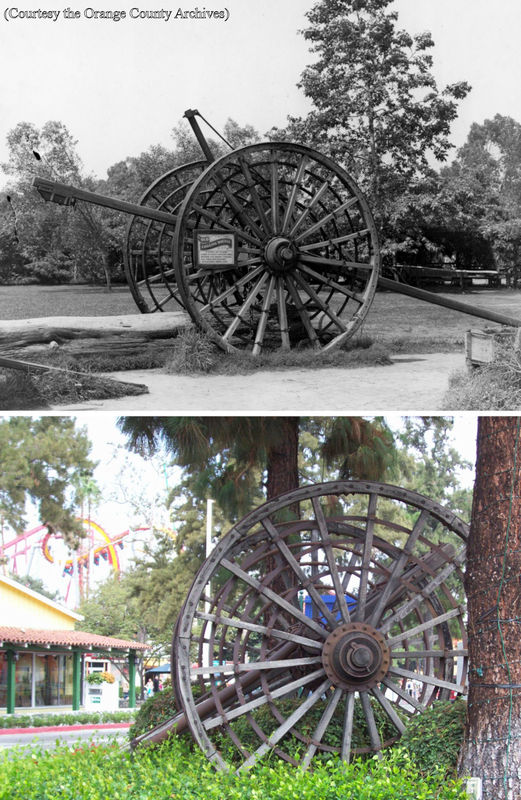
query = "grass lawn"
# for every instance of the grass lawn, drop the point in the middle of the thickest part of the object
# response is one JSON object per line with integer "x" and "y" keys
{"x": 28, "y": 302}
{"x": 408, "y": 325}
{"x": 413, "y": 326}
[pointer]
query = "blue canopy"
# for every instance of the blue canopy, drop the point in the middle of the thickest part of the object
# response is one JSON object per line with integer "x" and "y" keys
{"x": 160, "y": 668}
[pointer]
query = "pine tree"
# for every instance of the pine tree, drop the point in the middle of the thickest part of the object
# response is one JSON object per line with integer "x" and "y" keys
{"x": 491, "y": 749}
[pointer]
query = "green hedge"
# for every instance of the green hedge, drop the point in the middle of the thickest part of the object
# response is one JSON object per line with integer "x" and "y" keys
{"x": 154, "y": 710}
{"x": 176, "y": 771}
{"x": 433, "y": 739}
{"x": 77, "y": 718}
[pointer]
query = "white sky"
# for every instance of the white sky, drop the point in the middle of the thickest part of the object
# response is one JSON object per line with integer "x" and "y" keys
{"x": 121, "y": 86}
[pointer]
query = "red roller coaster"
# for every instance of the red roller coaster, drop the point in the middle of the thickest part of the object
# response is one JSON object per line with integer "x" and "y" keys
{"x": 96, "y": 548}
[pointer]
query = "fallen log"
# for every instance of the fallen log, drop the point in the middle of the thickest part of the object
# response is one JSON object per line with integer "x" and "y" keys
{"x": 16, "y": 334}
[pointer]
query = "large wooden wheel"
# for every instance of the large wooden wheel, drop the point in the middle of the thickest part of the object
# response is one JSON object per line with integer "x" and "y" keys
{"x": 275, "y": 246}
{"x": 148, "y": 247}
{"x": 325, "y": 633}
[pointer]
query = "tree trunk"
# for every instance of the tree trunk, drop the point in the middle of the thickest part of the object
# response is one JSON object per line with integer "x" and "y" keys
{"x": 282, "y": 468}
{"x": 492, "y": 749}
{"x": 106, "y": 270}
{"x": 282, "y": 463}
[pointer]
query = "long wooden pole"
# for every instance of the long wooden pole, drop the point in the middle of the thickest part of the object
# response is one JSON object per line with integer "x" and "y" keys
{"x": 446, "y": 302}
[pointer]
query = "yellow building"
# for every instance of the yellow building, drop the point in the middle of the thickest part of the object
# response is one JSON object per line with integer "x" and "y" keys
{"x": 41, "y": 655}
{"x": 23, "y": 607}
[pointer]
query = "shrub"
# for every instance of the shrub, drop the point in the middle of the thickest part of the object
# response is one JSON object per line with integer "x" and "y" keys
{"x": 74, "y": 718}
{"x": 193, "y": 352}
{"x": 494, "y": 387}
{"x": 172, "y": 771}
{"x": 292, "y": 744}
{"x": 433, "y": 739}
{"x": 155, "y": 710}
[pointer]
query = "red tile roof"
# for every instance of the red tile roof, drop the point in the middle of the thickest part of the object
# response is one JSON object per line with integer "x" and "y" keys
{"x": 90, "y": 641}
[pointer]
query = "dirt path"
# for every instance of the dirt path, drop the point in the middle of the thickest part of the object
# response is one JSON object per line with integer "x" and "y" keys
{"x": 411, "y": 383}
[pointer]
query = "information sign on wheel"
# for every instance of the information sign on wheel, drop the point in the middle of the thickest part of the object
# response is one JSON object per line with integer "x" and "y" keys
{"x": 215, "y": 249}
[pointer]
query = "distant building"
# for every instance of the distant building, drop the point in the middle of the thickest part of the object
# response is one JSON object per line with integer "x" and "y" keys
{"x": 41, "y": 655}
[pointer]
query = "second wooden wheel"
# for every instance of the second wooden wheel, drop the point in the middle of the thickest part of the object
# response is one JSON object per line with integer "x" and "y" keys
{"x": 148, "y": 248}
{"x": 275, "y": 247}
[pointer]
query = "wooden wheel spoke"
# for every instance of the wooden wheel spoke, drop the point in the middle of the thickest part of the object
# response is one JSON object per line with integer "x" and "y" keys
{"x": 250, "y": 262}
{"x": 425, "y": 626}
{"x": 309, "y": 208}
{"x": 329, "y": 282}
{"x": 250, "y": 276}
{"x": 398, "y": 567}
{"x": 331, "y": 561}
{"x": 374, "y": 736}
{"x": 282, "y": 691}
{"x": 320, "y": 303}
{"x": 274, "y": 597}
{"x": 307, "y": 583}
{"x": 347, "y": 730}
{"x": 321, "y": 727}
{"x": 251, "y": 666}
{"x": 430, "y": 679}
{"x": 204, "y": 212}
{"x": 235, "y": 204}
{"x": 275, "y": 215}
{"x": 253, "y": 626}
{"x": 165, "y": 300}
{"x": 263, "y": 319}
{"x": 397, "y": 689}
{"x": 159, "y": 278}
{"x": 327, "y": 218}
{"x": 366, "y": 559}
{"x": 299, "y": 305}
{"x": 297, "y": 182}
{"x": 404, "y": 654}
{"x": 283, "y": 316}
{"x": 239, "y": 315}
{"x": 427, "y": 588}
{"x": 307, "y": 248}
{"x": 389, "y": 710}
{"x": 256, "y": 200}
{"x": 286, "y": 726}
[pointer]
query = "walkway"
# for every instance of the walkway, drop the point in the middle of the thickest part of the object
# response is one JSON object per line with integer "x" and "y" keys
{"x": 411, "y": 383}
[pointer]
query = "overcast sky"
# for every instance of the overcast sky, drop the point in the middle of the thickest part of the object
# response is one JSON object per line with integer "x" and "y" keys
{"x": 121, "y": 86}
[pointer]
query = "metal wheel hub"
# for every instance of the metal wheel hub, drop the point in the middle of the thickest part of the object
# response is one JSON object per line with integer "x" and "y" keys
{"x": 356, "y": 656}
{"x": 280, "y": 254}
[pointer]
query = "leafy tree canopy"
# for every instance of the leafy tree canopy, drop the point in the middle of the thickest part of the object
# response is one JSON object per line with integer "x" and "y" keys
{"x": 376, "y": 106}
{"x": 232, "y": 457}
{"x": 41, "y": 458}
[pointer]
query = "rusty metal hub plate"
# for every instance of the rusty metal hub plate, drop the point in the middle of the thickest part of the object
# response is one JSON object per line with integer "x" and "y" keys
{"x": 356, "y": 656}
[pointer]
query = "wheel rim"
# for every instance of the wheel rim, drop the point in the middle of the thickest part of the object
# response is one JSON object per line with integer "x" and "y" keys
{"x": 307, "y": 250}
{"x": 328, "y": 670}
{"x": 148, "y": 247}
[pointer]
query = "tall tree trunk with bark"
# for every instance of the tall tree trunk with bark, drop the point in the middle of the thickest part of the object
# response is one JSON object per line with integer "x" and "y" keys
{"x": 492, "y": 746}
{"x": 282, "y": 463}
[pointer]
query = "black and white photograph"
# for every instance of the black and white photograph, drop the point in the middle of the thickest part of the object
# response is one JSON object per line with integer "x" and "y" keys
{"x": 224, "y": 204}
